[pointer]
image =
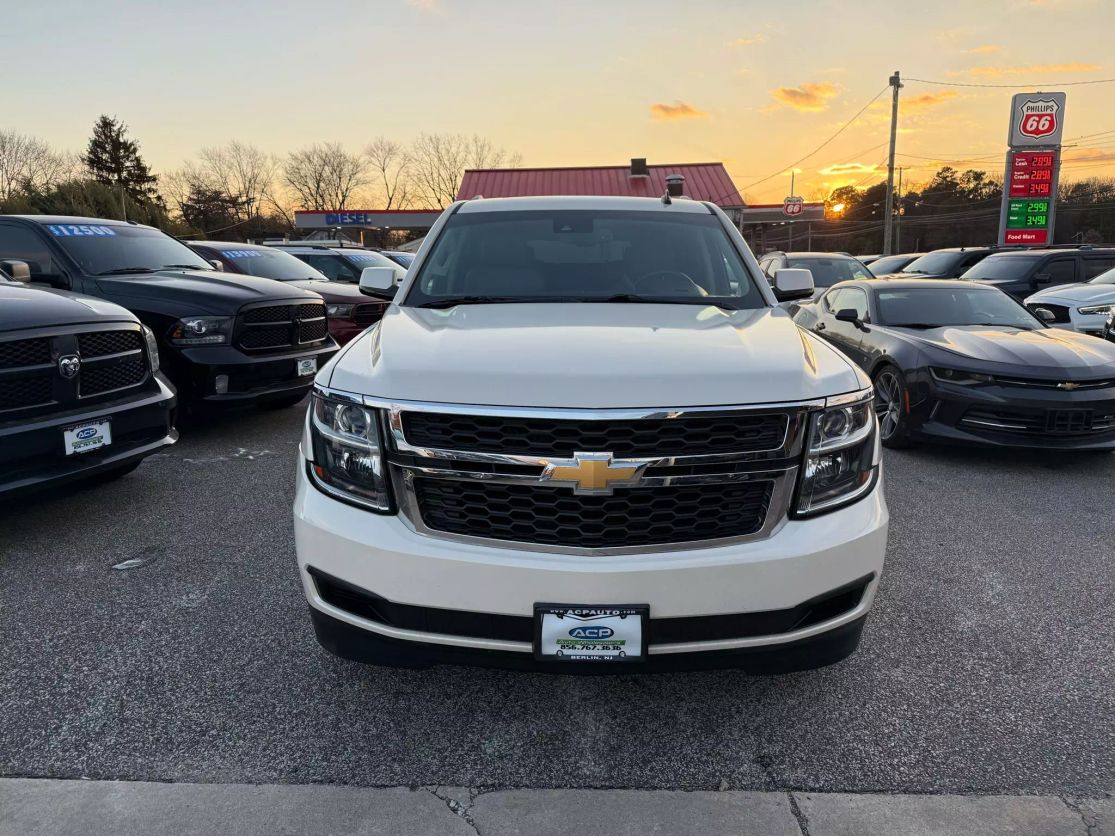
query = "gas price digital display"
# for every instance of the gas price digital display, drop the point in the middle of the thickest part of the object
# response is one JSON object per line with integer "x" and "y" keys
{"x": 1032, "y": 174}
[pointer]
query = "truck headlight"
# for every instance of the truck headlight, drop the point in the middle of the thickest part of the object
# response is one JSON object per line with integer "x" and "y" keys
{"x": 346, "y": 456}
{"x": 339, "y": 311}
{"x": 841, "y": 461}
{"x": 200, "y": 330}
{"x": 152, "y": 348}
{"x": 1094, "y": 309}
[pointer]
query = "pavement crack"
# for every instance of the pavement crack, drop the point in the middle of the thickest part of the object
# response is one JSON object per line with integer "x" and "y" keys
{"x": 1089, "y": 819}
{"x": 799, "y": 814}
{"x": 462, "y": 811}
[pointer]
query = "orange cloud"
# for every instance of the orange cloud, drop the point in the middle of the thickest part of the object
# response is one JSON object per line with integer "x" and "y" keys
{"x": 677, "y": 110}
{"x": 751, "y": 41}
{"x": 809, "y": 97}
{"x": 926, "y": 100}
{"x": 1033, "y": 69}
{"x": 984, "y": 49}
{"x": 844, "y": 169}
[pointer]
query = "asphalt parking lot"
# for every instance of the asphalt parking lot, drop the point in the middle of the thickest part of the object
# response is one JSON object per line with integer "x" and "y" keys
{"x": 154, "y": 629}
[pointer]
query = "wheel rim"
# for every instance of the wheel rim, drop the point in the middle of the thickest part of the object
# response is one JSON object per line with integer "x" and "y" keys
{"x": 888, "y": 403}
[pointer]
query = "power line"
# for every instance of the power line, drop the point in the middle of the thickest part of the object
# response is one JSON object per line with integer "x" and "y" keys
{"x": 796, "y": 163}
{"x": 1014, "y": 86}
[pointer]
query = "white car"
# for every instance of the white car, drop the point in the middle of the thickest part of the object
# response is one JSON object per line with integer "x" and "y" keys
{"x": 1080, "y": 307}
{"x": 585, "y": 437}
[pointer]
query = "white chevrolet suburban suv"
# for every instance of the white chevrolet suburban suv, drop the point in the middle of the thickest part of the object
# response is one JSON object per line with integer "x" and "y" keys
{"x": 586, "y": 438}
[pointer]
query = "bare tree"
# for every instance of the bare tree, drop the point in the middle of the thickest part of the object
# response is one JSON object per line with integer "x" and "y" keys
{"x": 243, "y": 173}
{"x": 324, "y": 175}
{"x": 438, "y": 162}
{"x": 391, "y": 166}
{"x": 29, "y": 163}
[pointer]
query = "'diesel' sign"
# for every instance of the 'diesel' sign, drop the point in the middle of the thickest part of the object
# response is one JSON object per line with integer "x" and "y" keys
{"x": 1033, "y": 164}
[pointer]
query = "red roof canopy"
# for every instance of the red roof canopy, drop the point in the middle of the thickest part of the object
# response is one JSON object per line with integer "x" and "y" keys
{"x": 703, "y": 181}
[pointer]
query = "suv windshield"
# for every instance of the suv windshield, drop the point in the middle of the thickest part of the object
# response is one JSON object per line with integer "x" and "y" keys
{"x": 829, "y": 270}
{"x": 1002, "y": 267}
{"x": 270, "y": 264}
{"x": 889, "y": 264}
{"x": 346, "y": 265}
{"x": 101, "y": 249}
{"x": 584, "y": 256}
{"x": 933, "y": 307}
{"x": 934, "y": 263}
{"x": 1104, "y": 278}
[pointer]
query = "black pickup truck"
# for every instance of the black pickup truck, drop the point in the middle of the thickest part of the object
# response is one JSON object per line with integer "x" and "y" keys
{"x": 81, "y": 394}
{"x": 223, "y": 338}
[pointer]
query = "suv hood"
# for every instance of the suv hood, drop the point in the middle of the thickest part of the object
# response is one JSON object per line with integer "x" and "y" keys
{"x": 592, "y": 356}
{"x": 199, "y": 291}
{"x": 35, "y": 307}
{"x": 1052, "y": 349}
{"x": 1085, "y": 292}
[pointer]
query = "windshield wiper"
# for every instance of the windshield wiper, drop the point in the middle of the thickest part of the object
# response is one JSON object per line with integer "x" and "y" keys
{"x": 1003, "y": 325}
{"x": 622, "y": 298}
{"x": 453, "y": 301}
{"x": 123, "y": 271}
{"x": 916, "y": 325}
{"x": 186, "y": 267}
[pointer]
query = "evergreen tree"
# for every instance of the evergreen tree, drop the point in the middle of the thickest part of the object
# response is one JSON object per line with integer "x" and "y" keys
{"x": 112, "y": 158}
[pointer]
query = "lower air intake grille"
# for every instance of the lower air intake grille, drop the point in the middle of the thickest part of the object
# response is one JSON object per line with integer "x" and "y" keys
{"x": 555, "y": 516}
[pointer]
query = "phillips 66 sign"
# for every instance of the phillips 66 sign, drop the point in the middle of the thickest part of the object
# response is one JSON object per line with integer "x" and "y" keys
{"x": 1036, "y": 119}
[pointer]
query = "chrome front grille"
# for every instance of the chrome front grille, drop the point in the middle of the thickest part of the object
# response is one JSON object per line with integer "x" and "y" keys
{"x": 595, "y": 481}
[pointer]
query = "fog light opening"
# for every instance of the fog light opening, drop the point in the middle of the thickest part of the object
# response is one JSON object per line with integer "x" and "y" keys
{"x": 220, "y": 384}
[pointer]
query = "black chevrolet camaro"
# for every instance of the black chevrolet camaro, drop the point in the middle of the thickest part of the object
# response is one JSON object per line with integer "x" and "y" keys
{"x": 964, "y": 362}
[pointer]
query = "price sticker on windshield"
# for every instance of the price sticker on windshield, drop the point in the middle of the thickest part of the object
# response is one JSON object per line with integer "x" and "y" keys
{"x": 74, "y": 230}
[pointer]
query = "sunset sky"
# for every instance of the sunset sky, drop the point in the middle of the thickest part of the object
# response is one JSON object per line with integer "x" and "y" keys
{"x": 578, "y": 82}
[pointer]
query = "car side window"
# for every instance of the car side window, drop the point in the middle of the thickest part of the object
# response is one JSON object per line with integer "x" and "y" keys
{"x": 1092, "y": 267}
{"x": 22, "y": 244}
{"x": 333, "y": 266}
{"x": 1061, "y": 271}
{"x": 833, "y": 300}
{"x": 855, "y": 298}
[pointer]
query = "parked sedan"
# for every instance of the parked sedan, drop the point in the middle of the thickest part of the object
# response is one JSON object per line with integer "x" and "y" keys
{"x": 884, "y": 265}
{"x": 1083, "y": 307}
{"x": 348, "y": 310}
{"x": 960, "y": 361}
{"x": 827, "y": 268}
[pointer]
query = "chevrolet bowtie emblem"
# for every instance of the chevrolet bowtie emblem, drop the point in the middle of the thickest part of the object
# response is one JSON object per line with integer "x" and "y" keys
{"x": 592, "y": 473}
{"x": 1068, "y": 387}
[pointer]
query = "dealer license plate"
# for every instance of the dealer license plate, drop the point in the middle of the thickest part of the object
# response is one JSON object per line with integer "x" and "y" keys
{"x": 564, "y": 632}
{"x": 81, "y": 438}
{"x": 307, "y": 366}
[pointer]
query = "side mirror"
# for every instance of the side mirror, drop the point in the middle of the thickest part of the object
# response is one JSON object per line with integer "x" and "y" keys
{"x": 1044, "y": 314}
{"x": 20, "y": 271}
{"x": 378, "y": 281}
{"x": 792, "y": 283}
{"x": 1042, "y": 278}
{"x": 849, "y": 315}
{"x": 217, "y": 265}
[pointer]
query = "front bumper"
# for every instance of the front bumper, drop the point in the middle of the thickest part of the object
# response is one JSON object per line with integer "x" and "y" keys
{"x": 252, "y": 378}
{"x": 1012, "y": 416}
{"x": 31, "y": 451}
{"x": 382, "y": 555}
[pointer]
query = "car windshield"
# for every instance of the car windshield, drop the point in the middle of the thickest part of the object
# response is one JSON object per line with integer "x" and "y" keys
{"x": 888, "y": 264}
{"x": 1104, "y": 278}
{"x": 829, "y": 270}
{"x": 934, "y": 263}
{"x": 269, "y": 264}
{"x": 367, "y": 258}
{"x": 591, "y": 255}
{"x": 404, "y": 259}
{"x": 101, "y": 249}
{"x": 1002, "y": 267}
{"x": 934, "y": 307}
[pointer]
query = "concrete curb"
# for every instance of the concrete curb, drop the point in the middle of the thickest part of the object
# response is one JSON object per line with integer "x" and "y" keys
{"x": 32, "y": 806}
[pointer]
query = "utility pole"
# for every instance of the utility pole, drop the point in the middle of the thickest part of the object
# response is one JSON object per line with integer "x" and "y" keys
{"x": 898, "y": 215}
{"x": 790, "y": 246}
{"x": 896, "y": 83}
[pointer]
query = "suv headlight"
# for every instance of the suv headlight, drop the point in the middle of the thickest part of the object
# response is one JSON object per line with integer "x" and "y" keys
{"x": 201, "y": 330}
{"x": 339, "y": 311}
{"x": 842, "y": 457}
{"x": 346, "y": 455}
{"x": 1095, "y": 309}
{"x": 152, "y": 348}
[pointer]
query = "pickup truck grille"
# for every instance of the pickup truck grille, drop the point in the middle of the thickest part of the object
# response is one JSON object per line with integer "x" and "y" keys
{"x": 277, "y": 327}
{"x": 111, "y": 361}
{"x": 595, "y": 481}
